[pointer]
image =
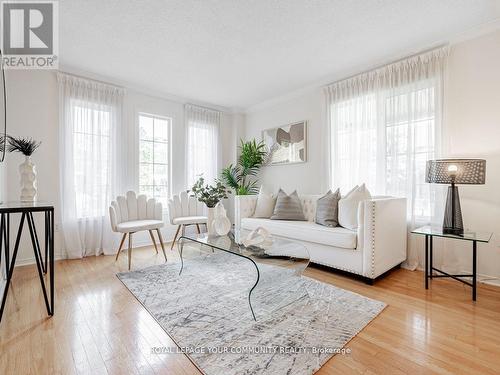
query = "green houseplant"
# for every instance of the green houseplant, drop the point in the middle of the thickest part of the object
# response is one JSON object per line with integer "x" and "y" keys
{"x": 239, "y": 177}
{"x": 210, "y": 195}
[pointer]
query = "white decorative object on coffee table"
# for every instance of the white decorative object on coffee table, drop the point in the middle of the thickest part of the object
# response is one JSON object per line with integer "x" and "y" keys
{"x": 259, "y": 237}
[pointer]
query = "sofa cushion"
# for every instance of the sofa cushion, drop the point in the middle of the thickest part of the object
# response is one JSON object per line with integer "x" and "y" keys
{"x": 348, "y": 207}
{"x": 288, "y": 207}
{"x": 305, "y": 231}
{"x": 265, "y": 204}
{"x": 327, "y": 209}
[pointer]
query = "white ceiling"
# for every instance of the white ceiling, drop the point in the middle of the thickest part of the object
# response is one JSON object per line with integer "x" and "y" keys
{"x": 237, "y": 53}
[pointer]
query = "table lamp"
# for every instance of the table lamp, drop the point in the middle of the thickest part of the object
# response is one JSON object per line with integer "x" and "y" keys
{"x": 453, "y": 172}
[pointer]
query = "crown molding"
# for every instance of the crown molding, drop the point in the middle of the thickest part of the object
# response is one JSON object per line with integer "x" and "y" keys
{"x": 464, "y": 36}
{"x": 143, "y": 89}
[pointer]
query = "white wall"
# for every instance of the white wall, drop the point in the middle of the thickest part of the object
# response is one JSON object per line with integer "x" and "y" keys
{"x": 309, "y": 177}
{"x": 472, "y": 118}
{"x": 33, "y": 112}
{"x": 471, "y": 121}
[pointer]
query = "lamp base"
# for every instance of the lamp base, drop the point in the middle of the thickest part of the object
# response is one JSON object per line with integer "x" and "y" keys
{"x": 453, "y": 223}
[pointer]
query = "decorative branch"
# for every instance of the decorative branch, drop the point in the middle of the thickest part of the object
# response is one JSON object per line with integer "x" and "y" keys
{"x": 26, "y": 146}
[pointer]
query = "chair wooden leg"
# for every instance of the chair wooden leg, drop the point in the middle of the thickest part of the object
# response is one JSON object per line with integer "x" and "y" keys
{"x": 198, "y": 228}
{"x": 121, "y": 245}
{"x": 129, "y": 250}
{"x": 161, "y": 243}
{"x": 175, "y": 237}
{"x": 153, "y": 239}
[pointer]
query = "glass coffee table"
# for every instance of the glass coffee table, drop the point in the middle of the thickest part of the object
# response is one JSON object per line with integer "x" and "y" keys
{"x": 278, "y": 264}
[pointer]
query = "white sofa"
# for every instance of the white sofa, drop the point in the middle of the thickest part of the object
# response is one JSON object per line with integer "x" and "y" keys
{"x": 378, "y": 244}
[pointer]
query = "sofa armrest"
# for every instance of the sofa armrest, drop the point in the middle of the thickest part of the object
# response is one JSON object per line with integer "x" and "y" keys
{"x": 244, "y": 206}
{"x": 382, "y": 234}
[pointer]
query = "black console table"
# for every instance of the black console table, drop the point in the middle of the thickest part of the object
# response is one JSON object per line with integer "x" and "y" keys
{"x": 430, "y": 232}
{"x": 44, "y": 264}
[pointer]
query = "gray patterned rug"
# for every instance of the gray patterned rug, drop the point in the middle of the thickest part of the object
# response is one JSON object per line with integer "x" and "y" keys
{"x": 301, "y": 322}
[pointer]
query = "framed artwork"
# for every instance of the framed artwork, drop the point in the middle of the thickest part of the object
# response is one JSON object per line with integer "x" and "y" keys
{"x": 286, "y": 144}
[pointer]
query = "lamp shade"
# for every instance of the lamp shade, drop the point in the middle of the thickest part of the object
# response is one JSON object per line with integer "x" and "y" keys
{"x": 457, "y": 171}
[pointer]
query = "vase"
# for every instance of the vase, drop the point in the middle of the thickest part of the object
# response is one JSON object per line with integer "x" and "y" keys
{"x": 221, "y": 223}
{"x": 28, "y": 180}
{"x": 210, "y": 221}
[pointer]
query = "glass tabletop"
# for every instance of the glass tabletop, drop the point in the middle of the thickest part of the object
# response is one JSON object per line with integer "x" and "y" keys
{"x": 273, "y": 248}
{"x": 272, "y": 279}
{"x": 467, "y": 235}
{"x": 15, "y": 205}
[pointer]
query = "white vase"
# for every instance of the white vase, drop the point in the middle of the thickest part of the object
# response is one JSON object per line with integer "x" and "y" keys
{"x": 28, "y": 180}
{"x": 210, "y": 221}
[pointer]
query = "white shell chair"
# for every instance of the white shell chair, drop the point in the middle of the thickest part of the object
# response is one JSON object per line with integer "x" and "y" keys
{"x": 184, "y": 210}
{"x": 132, "y": 214}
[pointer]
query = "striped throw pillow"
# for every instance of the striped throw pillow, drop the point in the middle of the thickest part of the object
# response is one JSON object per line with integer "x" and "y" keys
{"x": 327, "y": 209}
{"x": 288, "y": 207}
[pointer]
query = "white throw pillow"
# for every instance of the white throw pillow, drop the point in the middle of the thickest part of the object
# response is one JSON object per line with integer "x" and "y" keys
{"x": 265, "y": 204}
{"x": 348, "y": 207}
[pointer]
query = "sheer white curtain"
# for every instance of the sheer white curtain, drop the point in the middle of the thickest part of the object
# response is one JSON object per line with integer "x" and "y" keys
{"x": 384, "y": 125}
{"x": 90, "y": 115}
{"x": 203, "y": 144}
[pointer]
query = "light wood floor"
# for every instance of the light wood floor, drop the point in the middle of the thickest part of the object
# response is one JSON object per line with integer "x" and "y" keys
{"x": 100, "y": 328}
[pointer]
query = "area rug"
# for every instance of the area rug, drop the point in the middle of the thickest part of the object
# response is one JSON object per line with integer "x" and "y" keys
{"x": 301, "y": 322}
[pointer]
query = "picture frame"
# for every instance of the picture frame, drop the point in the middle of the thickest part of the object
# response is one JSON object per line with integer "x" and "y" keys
{"x": 286, "y": 144}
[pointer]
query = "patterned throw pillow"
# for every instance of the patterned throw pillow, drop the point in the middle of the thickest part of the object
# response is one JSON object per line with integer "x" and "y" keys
{"x": 288, "y": 207}
{"x": 327, "y": 209}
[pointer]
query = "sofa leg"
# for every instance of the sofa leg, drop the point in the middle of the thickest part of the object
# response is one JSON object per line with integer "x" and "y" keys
{"x": 369, "y": 281}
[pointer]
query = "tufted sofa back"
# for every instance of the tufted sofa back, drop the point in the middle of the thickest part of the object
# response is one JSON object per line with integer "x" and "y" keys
{"x": 309, "y": 206}
{"x": 132, "y": 207}
{"x": 246, "y": 207}
{"x": 183, "y": 205}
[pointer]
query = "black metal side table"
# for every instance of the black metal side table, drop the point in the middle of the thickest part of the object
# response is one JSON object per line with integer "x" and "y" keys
{"x": 433, "y": 231}
{"x": 44, "y": 264}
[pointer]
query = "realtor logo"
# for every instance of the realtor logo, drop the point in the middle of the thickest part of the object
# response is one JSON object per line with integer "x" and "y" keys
{"x": 29, "y": 34}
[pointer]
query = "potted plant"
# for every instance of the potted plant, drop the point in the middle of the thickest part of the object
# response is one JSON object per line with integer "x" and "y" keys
{"x": 239, "y": 177}
{"x": 26, "y": 146}
{"x": 210, "y": 195}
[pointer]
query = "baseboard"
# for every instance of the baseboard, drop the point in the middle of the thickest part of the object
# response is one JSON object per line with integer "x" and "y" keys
{"x": 31, "y": 260}
{"x": 60, "y": 256}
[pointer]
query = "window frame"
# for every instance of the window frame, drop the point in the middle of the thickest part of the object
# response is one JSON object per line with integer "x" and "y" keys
{"x": 138, "y": 163}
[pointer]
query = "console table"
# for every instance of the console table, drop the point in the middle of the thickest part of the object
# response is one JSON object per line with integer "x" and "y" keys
{"x": 44, "y": 264}
{"x": 433, "y": 231}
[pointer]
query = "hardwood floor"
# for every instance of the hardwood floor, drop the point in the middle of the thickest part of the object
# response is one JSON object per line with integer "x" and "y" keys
{"x": 100, "y": 328}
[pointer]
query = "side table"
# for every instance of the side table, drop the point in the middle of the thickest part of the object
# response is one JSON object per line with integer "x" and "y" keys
{"x": 44, "y": 264}
{"x": 433, "y": 231}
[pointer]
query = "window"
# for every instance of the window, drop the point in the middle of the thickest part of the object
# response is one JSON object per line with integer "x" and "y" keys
{"x": 202, "y": 144}
{"x": 154, "y": 157}
{"x": 383, "y": 138}
{"x": 91, "y": 137}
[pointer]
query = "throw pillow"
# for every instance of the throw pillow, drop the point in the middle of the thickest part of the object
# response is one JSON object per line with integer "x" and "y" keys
{"x": 265, "y": 204}
{"x": 288, "y": 207}
{"x": 327, "y": 209}
{"x": 348, "y": 207}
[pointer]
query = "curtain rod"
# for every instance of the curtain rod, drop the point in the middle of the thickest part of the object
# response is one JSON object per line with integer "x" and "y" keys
{"x": 92, "y": 79}
{"x": 203, "y": 107}
{"x": 423, "y": 52}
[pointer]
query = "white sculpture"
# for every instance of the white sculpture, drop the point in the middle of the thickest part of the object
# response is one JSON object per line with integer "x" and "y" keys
{"x": 28, "y": 180}
{"x": 259, "y": 237}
